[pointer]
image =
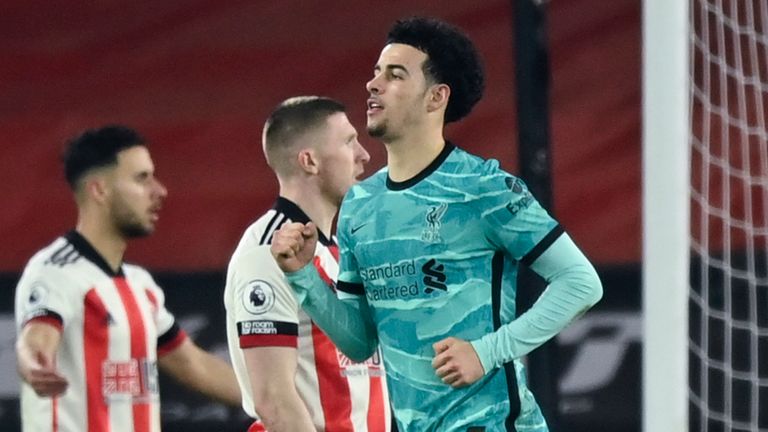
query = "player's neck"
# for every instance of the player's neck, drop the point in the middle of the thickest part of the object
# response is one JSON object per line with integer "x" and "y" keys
{"x": 312, "y": 202}
{"x": 108, "y": 243}
{"x": 411, "y": 154}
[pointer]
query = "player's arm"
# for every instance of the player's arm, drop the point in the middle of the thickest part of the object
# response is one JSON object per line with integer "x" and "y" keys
{"x": 185, "y": 361}
{"x": 348, "y": 322}
{"x": 263, "y": 307}
{"x": 201, "y": 371}
{"x": 36, "y": 350}
{"x": 41, "y": 312}
{"x": 272, "y": 374}
{"x": 516, "y": 223}
{"x": 573, "y": 287}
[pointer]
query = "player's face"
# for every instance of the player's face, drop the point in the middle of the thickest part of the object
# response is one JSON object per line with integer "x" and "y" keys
{"x": 136, "y": 195}
{"x": 341, "y": 157}
{"x": 397, "y": 91}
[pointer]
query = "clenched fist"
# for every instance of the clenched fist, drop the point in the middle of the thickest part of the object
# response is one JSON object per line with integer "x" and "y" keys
{"x": 293, "y": 245}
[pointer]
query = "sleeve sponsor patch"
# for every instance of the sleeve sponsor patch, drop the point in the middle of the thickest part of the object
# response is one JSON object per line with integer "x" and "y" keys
{"x": 258, "y": 297}
{"x": 247, "y": 328}
{"x": 267, "y": 333}
{"x": 522, "y": 198}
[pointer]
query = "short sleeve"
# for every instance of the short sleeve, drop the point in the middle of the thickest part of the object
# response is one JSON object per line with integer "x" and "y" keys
{"x": 169, "y": 334}
{"x": 165, "y": 319}
{"x": 263, "y": 304}
{"x": 44, "y": 294}
{"x": 513, "y": 220}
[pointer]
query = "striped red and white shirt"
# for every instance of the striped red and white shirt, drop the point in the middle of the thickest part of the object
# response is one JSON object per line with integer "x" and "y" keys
{"x": 341, "y": 395}
{"x": 113, "y": 325}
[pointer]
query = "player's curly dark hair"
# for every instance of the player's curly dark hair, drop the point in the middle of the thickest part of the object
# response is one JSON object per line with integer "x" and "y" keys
{"x": 97, "y": 148}
{"x": 452, "y": 59}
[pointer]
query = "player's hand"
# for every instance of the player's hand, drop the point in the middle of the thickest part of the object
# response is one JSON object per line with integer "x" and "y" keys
{"x": 456, "y": 362}
{"x": 293, "y": 245}
{"x": 39, "y": 371}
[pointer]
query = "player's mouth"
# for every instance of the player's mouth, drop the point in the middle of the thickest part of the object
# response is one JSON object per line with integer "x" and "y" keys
{"x": 154, "y": 213}
{"x": 374, "y": 106}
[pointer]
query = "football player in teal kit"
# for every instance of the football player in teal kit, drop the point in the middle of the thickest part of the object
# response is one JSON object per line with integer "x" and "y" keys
{"x": 429, "y": 251}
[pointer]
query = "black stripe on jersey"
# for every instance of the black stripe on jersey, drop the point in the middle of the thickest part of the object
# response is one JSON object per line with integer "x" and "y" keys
{"x": 293, "y": 212}
{"x": 350, "y": 288}
{"x": 279, "y": 225}
{"x": 497, "y": 269}
{"x": 267, "y": 236}
{"x": 168, "y": 335}
{"x": 267, "y": 328}
{"x": 545, "y": 243}
{"x": 64, "y": 255}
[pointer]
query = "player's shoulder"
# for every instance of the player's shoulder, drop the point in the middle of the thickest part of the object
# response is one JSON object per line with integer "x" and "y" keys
{"x": 59, "y": 252}
{"x": 260, "y": 231}
{"x": 258, "y": 235}
{"x": 358, "y": 196}
{"x": 251, "y": 255}
{"x": 56, "y": 259}
{"x": 58, "y": 265}
{"x": 138, "y": 274}
{"x": 480, "y": 175}
{"x": 373, "y": 184}
{"x": 462, "y": 161}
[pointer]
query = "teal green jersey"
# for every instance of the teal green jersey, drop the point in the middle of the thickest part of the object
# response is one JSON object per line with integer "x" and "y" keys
{"x": 436, "y": 257}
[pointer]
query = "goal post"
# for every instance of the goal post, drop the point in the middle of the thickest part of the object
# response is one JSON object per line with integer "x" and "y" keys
{"x": 705, "y": 215}
{"x": 728, "y": 389}
{"x": 666, "y": 181}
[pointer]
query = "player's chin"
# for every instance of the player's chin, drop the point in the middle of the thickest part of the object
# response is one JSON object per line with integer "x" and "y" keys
{"x": 150, "y": 225}
{"x": 138, "y": 230}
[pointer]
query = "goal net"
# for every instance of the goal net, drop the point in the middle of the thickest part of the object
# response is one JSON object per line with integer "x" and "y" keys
{"x": 728, "y": 299}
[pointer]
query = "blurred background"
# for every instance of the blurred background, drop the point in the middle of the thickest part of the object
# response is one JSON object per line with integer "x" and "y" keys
{"x": 199, "y": 77}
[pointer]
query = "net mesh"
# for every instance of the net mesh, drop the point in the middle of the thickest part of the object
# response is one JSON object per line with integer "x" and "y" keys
{"x": 728, "y": 355}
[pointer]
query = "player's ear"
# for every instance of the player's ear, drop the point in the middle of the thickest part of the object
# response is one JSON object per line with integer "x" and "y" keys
{"x": 96, "y": 187}
{"x": 307, "y": 160}
{"x": 437, "y": 97}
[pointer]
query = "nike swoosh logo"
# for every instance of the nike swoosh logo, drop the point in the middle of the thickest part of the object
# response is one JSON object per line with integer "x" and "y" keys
{"x": 357, "y": 228}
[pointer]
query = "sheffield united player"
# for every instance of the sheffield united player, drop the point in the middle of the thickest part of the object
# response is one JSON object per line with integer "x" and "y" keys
{"x": 93, "y": 330}
{"x": 292, "y": 377}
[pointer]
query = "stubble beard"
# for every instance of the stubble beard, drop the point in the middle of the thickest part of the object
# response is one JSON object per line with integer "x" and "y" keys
{"x": 377, "y": 131}
{"x": 382, "y": 133}
{"x": 135, "y": 230}
{"x": 128, "y": 224}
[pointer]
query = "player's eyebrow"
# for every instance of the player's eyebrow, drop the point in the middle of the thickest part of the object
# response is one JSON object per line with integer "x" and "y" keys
{"x": 392, "y": 67}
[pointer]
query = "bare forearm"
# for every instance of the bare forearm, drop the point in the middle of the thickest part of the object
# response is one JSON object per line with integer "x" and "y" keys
{"x": 202, "y": 372}
{"x": 36, "y": 359}
{"x": 218, "y": 381}
{"x": 272, "y": 374}
{"x": 283, "y": 411}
